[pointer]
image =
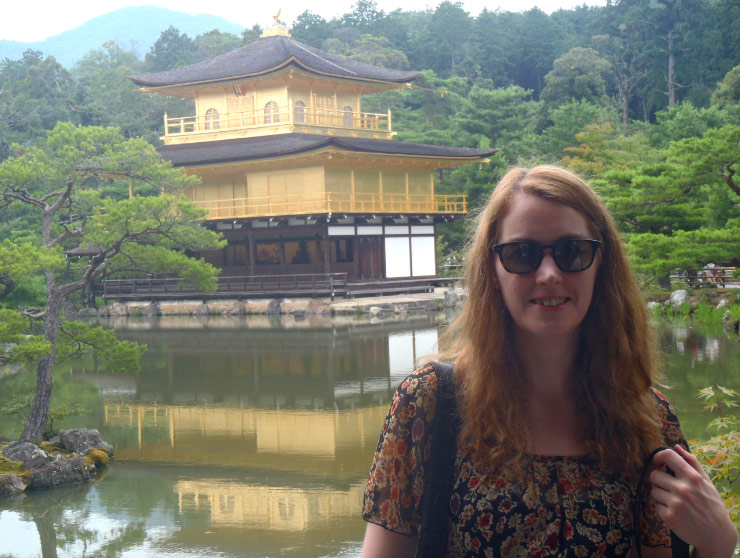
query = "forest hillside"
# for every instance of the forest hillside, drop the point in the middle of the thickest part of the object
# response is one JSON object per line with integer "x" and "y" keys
{"x": 641, "y": 97}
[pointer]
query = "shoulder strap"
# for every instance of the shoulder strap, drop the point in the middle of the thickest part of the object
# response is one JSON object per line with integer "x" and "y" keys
{"x": 438, "y": 481}
{"x": 679, "y": 549}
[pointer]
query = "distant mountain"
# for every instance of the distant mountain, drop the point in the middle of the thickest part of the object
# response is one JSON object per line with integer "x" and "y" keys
{"x": 136, "y": 28}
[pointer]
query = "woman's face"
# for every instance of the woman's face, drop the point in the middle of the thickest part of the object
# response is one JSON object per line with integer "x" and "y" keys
{"x": 547, "y": 303}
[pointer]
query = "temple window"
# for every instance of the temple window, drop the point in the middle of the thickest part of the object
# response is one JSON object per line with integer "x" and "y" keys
{"x": 268, "y": 253}
{"x": 212, "y": 119}
{"x": 341, "y": 250}
{"x": 347, "y": 117}
{"x": 272, "y": 113}
{"x": 299, "y": 112}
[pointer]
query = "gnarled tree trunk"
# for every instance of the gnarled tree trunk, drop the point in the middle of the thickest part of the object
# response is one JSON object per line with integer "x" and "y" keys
{"x": 38, "y": 416}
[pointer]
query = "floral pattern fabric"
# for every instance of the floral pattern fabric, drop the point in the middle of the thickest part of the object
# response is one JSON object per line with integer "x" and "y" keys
{"x": 563, "y": 506}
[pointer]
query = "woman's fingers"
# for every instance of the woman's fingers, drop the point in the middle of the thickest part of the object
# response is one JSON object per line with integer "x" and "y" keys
{"x": 690, "y": 505}
{"x": 691, "y": 460}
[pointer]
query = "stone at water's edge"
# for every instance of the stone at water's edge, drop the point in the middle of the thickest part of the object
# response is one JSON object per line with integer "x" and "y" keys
{"x": 678, "y": 298}
{"x": 46, "y": 470}
{"x": 11, "y": 484}
{"x": 20, "y": 451}
{"x": 82, "y": 440}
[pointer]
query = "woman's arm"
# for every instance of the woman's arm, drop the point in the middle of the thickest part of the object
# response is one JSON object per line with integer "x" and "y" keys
{"x": 690, "y": 505}
{"x": 382, "y": 543}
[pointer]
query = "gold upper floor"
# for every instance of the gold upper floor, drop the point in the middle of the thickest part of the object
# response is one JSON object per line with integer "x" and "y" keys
{"x": 320, "y": 186}
{"x": 287, "y": 102}
{"x": 274, "y": 119}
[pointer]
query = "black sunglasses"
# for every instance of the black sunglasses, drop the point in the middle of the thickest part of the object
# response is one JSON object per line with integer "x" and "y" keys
{"x": 525, "y": 256}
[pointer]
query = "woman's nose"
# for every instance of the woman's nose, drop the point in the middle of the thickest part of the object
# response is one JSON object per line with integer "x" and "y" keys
{"x": 548, "y": 271}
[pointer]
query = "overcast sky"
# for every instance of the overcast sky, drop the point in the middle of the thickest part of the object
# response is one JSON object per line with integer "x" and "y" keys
{"x": 28, "y": 21}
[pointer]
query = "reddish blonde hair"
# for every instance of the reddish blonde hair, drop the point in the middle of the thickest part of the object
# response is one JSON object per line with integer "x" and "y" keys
{"x": 616, "y": 362}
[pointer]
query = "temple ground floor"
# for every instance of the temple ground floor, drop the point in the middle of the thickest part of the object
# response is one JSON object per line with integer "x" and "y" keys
{"x": 362, "y": 248}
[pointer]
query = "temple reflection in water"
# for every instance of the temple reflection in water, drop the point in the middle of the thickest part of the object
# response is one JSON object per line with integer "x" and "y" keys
{"x": 292, "y": 409}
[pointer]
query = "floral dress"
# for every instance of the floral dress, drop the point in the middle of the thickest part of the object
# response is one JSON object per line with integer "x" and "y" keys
{"x": 564, "y": 506}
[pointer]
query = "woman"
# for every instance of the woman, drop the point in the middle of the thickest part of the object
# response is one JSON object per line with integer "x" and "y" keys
{"x": 554, "y": 363}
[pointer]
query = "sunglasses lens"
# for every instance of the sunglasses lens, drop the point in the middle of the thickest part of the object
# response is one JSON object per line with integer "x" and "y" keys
{"x": 571, "y": 255}
{"x": 574, "y": 255}
{"x": 521, "y": 257}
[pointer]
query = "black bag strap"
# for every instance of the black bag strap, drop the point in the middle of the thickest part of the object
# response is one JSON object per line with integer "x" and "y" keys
{"x": 679, "y": 549}
{"x": 438, "y": 474}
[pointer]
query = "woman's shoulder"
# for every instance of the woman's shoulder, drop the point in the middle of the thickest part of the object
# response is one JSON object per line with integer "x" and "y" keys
{"x": 662, "y": 402}
{"x": 419, "y": 388}
{"x": 669, "y": 422}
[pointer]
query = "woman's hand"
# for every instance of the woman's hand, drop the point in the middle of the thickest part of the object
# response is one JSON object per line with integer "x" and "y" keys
{"x": 690, "y": 505}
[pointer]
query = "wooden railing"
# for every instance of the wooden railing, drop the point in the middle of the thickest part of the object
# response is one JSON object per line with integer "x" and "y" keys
{"x": 332, "y": 202}
{"x": 328, "y": 285}
{"x": 285, "y": 115}
{"x": 164, "y": 288}
{"x": 705, "y": 277}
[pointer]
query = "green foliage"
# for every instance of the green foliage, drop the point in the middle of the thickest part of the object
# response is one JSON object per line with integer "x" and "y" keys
{"x": 311, "y": 29}
{"x": 35, "y": 93}
{"x": 370, "y": 50}
{"x": 105, "y": 96}
{"x": 684, "y": 121}
{"x": 720, "y": 455}
{"x": 214, "y": 43}
{"x": 17, "y": 344}
{"x": 20, "y": 405}
{"x": 563, "y": 123}
{"x": 656, "y": 254}
{"x": 172, "y": 50}
{"x": 711, "y": 160}
{"x": 575, "y": 76}
{"x": 708, "y": 313}
{"x": 19, "y": 260}
{"x": 113, "y": 354}
{"x": 505, "y": 116}
{"x": 60, "y": 180}
{"x": 728, "y": 90}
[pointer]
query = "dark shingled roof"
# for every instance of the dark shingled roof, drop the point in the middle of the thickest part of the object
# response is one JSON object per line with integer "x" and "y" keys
{"x": 266, "y": 55}
{"x": 245, "y": 149}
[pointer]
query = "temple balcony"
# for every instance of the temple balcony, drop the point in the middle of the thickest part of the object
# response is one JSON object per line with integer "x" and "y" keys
{"x": 316, "y": 204}
{"x": 278, "y": 119}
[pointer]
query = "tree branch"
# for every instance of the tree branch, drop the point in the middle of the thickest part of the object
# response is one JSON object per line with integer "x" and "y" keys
{"x": 33, "y": 314}
{"x": 729, "y": 178}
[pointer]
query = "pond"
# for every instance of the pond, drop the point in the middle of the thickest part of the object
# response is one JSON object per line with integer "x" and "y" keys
{"x": 253, "y": 436}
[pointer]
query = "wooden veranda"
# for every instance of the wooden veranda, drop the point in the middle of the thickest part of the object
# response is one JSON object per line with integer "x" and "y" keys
{"x": 328, "y": 285}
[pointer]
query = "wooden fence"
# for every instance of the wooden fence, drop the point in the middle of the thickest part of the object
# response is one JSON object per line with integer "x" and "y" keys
{"x": 328, "y": 285}
{"x": 706, "y": 277}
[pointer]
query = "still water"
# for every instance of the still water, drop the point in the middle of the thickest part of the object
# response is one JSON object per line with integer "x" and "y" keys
{"x": 252, "y": 437}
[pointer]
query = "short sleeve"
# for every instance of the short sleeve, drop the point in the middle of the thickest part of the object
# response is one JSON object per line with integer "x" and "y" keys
{"x": 395, "y": 485}
{"x": 653, "y": 532}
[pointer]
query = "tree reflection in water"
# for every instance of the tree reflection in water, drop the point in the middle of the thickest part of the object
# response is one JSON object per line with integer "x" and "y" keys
{"x": 253, "y": 437}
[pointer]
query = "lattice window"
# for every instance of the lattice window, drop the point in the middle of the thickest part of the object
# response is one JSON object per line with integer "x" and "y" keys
{"x": 347, "y": 117}
{"x": 212, "y": 122}
{"x": 272, "y": 113}
{"x": 299, "y": 112}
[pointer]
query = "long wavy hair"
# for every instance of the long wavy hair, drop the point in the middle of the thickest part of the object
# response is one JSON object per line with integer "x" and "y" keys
{"x": 616, "y": 360}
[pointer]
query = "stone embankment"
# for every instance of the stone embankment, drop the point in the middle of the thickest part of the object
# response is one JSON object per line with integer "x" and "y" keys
{"x": 398, "y": 304}
{"x": 75, "y": 456}
{"x": 681, "y": 301}
{"x": 381, "y": 306}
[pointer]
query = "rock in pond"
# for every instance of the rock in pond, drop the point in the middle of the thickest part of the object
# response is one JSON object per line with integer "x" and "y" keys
{"x": 11, "y": 485}
{"x": 81, "y": 440}
{"x": 21, "y": 451}
{"x": 48, "y": 472}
